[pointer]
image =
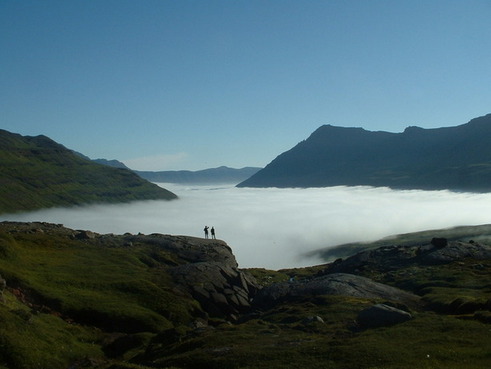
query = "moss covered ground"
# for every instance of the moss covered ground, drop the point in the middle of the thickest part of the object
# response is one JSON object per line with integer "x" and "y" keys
{"x": 72, "y": 303}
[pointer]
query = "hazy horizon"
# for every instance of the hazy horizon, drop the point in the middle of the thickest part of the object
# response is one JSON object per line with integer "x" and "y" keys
{"x": 273, "y": 228}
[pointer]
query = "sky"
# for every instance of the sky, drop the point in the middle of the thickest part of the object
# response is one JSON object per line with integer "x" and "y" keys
{"x": 275, "y": 228}
{"x": 171, "y": 85}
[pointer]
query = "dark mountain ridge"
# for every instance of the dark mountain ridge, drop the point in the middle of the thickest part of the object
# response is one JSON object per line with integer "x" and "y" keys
{"x": 455, "y": 158}
{"x": 37, "y": 172}
{"x": 220, "y": 175}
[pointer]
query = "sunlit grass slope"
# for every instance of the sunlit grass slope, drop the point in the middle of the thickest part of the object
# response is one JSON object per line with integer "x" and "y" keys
{"x": 66, "y": 297}
{"x": 36, "y": 172}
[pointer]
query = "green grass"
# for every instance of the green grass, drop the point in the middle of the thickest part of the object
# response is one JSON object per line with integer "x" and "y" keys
{"x": 105, "y": 304}
{"x": 94, "y": 284}
{"x": 39, "y": 340}
{"x": 70, "y": 293}
{"x": 280, "y": 340}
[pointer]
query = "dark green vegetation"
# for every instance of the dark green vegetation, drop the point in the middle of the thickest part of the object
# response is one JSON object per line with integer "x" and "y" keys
{"x": 455, "y": 158}
{"x": 75, "y": 299}
{"x": 37, "y": 172}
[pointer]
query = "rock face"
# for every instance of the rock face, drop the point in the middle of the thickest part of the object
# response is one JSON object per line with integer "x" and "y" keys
{"x": 222, "y": 290}
{"x": 332, "y": 284}
{"x": 381, "y": 315}
{"x": 207, "y": 271}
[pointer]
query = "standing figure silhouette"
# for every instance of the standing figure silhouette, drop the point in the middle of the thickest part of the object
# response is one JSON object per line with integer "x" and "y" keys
{"x": 213, "y": 233}
{"x": 206, "y": 231}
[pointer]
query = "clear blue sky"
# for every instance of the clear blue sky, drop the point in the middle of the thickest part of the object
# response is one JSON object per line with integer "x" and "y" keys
{"x": 164, "y": 85}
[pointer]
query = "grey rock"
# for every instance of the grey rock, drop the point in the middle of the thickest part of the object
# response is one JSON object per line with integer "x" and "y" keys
{"x": 388, "y": 258}
{"x": 332, "y": 284}
{"x": 456, "y": 251}
{"x": 382, "y": 315}
{"x": 85, "y": 235}
{"x": 313, "y": 319}
{"x": 217, "y": 287}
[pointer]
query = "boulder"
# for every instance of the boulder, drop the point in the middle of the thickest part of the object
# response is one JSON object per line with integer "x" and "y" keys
{"x": 312, "y": 320}
{"x": 382, "y": 315}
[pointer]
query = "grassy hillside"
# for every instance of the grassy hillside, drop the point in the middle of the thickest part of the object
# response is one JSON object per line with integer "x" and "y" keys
{"x": 36, "y": 172}
{"x": 104, "y": 302}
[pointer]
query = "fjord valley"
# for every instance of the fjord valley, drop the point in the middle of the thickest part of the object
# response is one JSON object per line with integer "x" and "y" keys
{"x": 455, "y": 158}
{"x": 37, "y": 172}
{"x": 73, "y": 297}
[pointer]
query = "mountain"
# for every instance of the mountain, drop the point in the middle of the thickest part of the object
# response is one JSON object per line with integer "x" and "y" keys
{"x": 78, "y": 299}
{"x": 455, "y": 158}
{"x": 37, "y": 172}
{"x": 220, "y": 175}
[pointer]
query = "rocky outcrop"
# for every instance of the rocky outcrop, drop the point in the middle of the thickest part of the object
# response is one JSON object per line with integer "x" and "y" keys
{"x": 223, "y": 291}
{"x": 381, "y": 315}
{"x": 332, "y": 284}
{"x": 202, "y": 269}
{"x": 456, "y": 251}
{"x": 384, "y": 259}
{"x": 206, "y": 270}
{"x": 187, "y": 249}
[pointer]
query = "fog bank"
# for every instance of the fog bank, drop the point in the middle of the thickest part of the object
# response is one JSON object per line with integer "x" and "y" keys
{"x": 271, "y": 228}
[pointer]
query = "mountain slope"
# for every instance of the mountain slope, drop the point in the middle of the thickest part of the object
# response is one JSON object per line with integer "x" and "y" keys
{"x": 456, "y": 158}
{"x": 37, "y": 172}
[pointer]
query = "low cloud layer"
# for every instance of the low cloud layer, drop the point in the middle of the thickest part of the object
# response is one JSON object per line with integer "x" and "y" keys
{"x": 271, "y": 228}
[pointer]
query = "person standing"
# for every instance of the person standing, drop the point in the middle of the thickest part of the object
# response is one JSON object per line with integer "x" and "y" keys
{"x": 213, "y": 233}
{"x": 206, "y": 231}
